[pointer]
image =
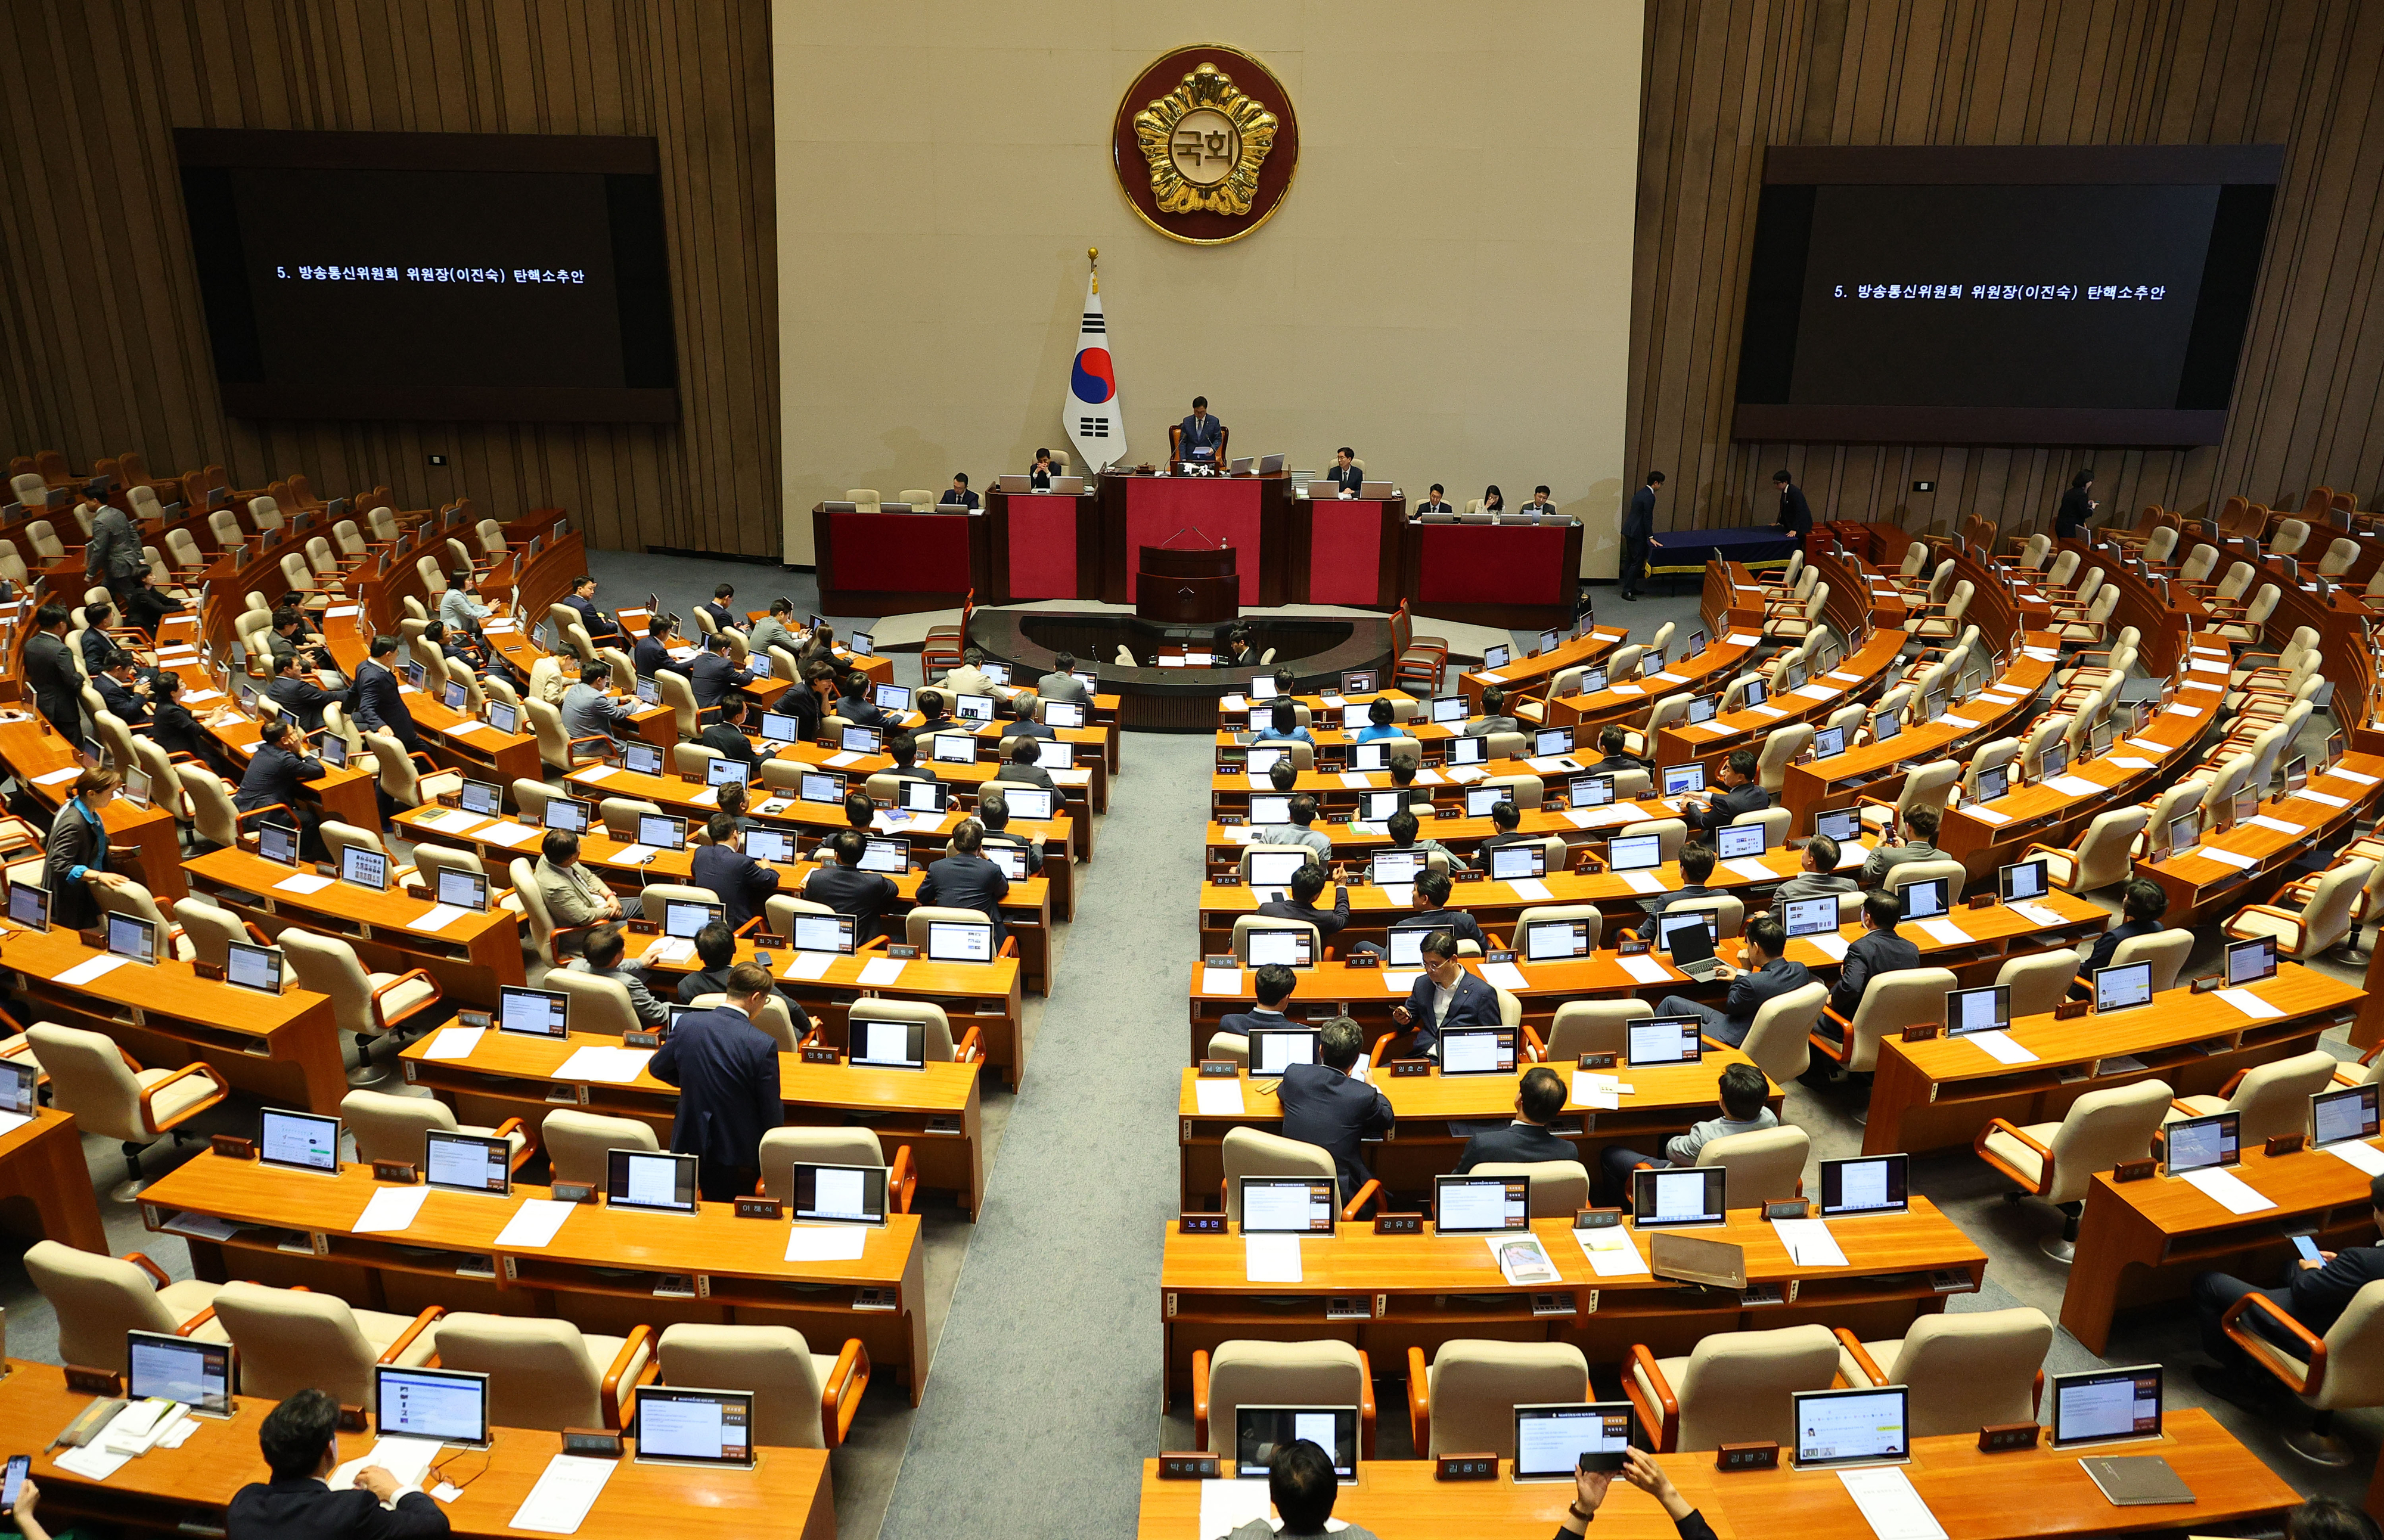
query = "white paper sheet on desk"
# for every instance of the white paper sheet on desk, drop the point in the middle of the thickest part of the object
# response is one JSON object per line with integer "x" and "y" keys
{"x": 1071, "y": 777}
{"x": 566, "y": 1490}
{"x": 1768, "y": 710}
{"x": 2227, "y": 857}
{"x": 1645, "y": 969}
{"x": 2183, "y": 710}
{"x": 2355, "y": 1152}
{"x": 91, "y": 968}
{"x": 1429, "y": 777}
{"x": 56, "y": 777}
{"x": 637, "y": 855}
{"x": 1986, "y": 815}
{"x": 1232, "y": 702}
{"x": 1742, "y": 638}
{"x": 439, "y": 916}
{"x": 1399, "y": 895}
{"x": 201, "y": 697}
{"x": 1814, "y": 691}
{"x": 1271, "y": 1259}
{"x": 1221, "y": 981}
{"x": 460, "y": 729}
{"x": 2279, "y": 825}
{"x": 391, "y": 1208}
{"x": 1611, "y": 1252}
{"x": 2037, "y": 915}
{"x": 1699, "y": 729}
{"x": 2324, "y": 800}
{"x": 2200, "y": 663}
{"x": 1668, "y": 677}
{"x": 1751, "y": 869}
{"x": 2350, "y": 776}
{"x": 497, "y": 626}
{"x": 1999, "y": 1047}
{"x": 842, "y": 758}
{"x": 509, "y": 834}
{"x": 1464, "y": 774}
{"x": 92, "y": 1462}
{"x": 2229, "y": 1191}
{"x": 595, "y": 772}
{"x": 1488, "y": 678}
{"x": 808, "y": 964}
{"x": 11, "y": 1122}
{"x": 1506, "y": 976}
{"x": 453, "y": 820}
{"x": 454, "y": 1042}
{"x": 2129, "y": 762}
{"x": 1549, "y": 765}
{"x": 1830, "y": 944}
{"x": 534, "y": 1224}
{"x": 1950, "y": 719}
{"x": 1642, "y": 882}
{"x": 1946, "y": 931}
{"x": 1626, "y": 689}
{"x": 1810, "y": 1242}
{"x": 1890, "y": 1506}
{"x": 609, "y": 1066}
{"x": 1599, "y": 1093}
{"x": 2250, "y": 1004}
{"x": 1843, "y": 676}
{"x": 1529, "y": 887}
{"x": 1218, "y": 1099}
{"x": 881, "y": 971}
{"x": 1591, "y": 817}
{"x": 826, "y": 1243}
{"x": 1227, "y": 1505}
{"x": 303, "y": 882}
{"x": 2147, "y": 746}
{"x": 1357, "y": 778}
{"x": 1400, "y": 981}
{"x": 2041, "y": 654}
{"x": 2073, "y": 786}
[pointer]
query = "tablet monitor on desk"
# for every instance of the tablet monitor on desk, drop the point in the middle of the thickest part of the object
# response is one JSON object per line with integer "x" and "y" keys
{"x": 1063, "y": 714}
{"x": 917, "y": 796}
{"x": 1481, "y": 1205}
{"x": 1268, "y": 808}
{"x": 1843, "y": 825}
{"x": 1586, "y": 791}
{"x": 1700, "y": 709}
{"x": 2123, "y": 987}
{"x": 568, "y": 813}
{"x": 1289, "y": 949}
{"x": 1552, "y": 740}
{"x": 676, "y": 1426}
{"x": 839, "y": 1195}
{"x": 1449, "y": 708}
{"x": 130, "y": 937}
{"x": 1663, "y": 1040}
{"x": 1687, "y": 936}
{"x": 1683, "y": 1196}
{"x": 2201, "y": 1144}
{"x": 1735, "y": 841}
{"x": 777, "y": 727}
{"x": 1359, "y": 681}
{"x": 959, "y": 941}
{"x": 1375, "y": 807}
{"x": 859, "y": 740}
{"x": 952, "y": 748}
{"x": 661, "y": 831}
{"x": 1263, "y": 687}
{"x": 1757, "y": 693}
{"x": 1032, "y": 803}
{"x": 533, "y": 1013}
{"x": 2336, "y": 1117}
{"x": 454, "y": 696}
{"x": 29, "y": 903}
{"x": 298, "y": 1141}
{"x": 828, "y": 933}
{"x": 448, "y": 1405}
{"x": 1554, "y": 940}
{"x": 886, "y": 857}
{"x": 1476, "y": 1049}
{"x": 721, "y": 770}
{"x": 1923, "y": 900}
{"x": 2101, "y": 1405}
{"x": 467, "y": 1162}
{"x": 659, "y": 1180}
{"x": 893, "y": 697}
{"x": 2052, "y": 762}
{"x": 1993, "y": 783}
{"x": 1810, "y": 916}
{"x": 254, "y": 967}
{"x": 1496, "y": 655}
{"x": 771, "y": 846}
{"x": 2021, "y": 881}
{"x": 2098, "y": 740}
{"x": 1480, "y": 800}
{"x": 1258, "y": 762}
{"x": 2183, "y": 830}
{"x": 1840, "y": 1428}
{"x": 1792, "y": 677}
{"x": 863, "y": 645}
{"x": 1829, "y": 743}
{"x": 972, "y": 708}
{"x": 1697, "y": 644}
{"x": 1012, "y": 859}
{"x": 1369, "y": 756}
{"x": 1276, "y": 868}
{"x": 1288, "y": 1205}
{"x": 1053, "y": 755}
{"x": 1680, "y": 780}
{"x": 1508, "y": 863}
{"x": 1865, "y": 1184}
{"x": 1275, "y": 1048}
{"x": 487, "y": 798}
{"x": 363, "y": 867}
{"x": 1469, "y": 751}
{"x": 649, "y": 693}
{"x": 820, "y": 785}
{"x": 682, "y": 918}
{"x": 1552, "y": 1441}
{"x": 2250, "y": 962}
{"x": 1406, "y": 944}
{"x": 1985, "y": 1009}
{"x": 19, "y": 1080}
{"x": 1639, "y": 852}
{"x": 1259, "y": 1431}
{"x": 1885, "y": 725}
{"x": 170, "y": 1368}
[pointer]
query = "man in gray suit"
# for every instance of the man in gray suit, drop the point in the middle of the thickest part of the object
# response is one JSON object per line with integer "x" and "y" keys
{"x": 1919, "y": 828}
{"x": 1818, "y": 876}
{"x": 587, "y": 712}
{"x": 1061, "y": 684}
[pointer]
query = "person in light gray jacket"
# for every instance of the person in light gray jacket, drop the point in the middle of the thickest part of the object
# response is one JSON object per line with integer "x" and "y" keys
{"x": 1919, "y": 828}
{"x": 587, "y": 712}
{"x": 1817, "y": 877}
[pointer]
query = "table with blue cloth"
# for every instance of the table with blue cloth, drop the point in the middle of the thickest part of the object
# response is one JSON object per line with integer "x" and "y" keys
{"x": 1674, "y": 553}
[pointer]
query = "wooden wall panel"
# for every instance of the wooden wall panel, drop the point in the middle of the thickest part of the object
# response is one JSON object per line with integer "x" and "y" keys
{"x": 1724, "y": 78}
{"x": 99, "y": 311}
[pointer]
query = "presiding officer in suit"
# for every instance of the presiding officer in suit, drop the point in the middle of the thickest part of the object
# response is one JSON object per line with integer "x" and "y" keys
{"x": 727, "y": 1072}
{"x": 299, "y": 1439}
{"x": 1345, "y": 475}
{"x": 50, "y": 671}
{"x": 1638, "y": 527}
{"x": 2316, "y": 1296}
{"x": 1324, "y": 1105}
{"x": 967, "y": 878}
{"x": 1200, "y": 436}
{"x": 743, "y": 884}
{"x": 1445, "y": 996}
{"x": 1771, "y": 975}
{"x": 375, "y": 700}
{"x": 1539, "y": 1100}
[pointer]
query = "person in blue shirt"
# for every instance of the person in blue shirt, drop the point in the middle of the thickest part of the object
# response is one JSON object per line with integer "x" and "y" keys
{"x": 1284, "y": 727}
{"x": 1379, "y": 722}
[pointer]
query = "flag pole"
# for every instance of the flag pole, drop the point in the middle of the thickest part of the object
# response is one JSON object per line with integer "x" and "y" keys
{"x": 1093, "y": 256}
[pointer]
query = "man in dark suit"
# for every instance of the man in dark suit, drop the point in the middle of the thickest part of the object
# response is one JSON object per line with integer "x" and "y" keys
{"x": 377, "y": 701}
{"x": 855, "y": 704}
{"x": 1345, "y": 475}
{"x": 1696, "y": 865}
{"x": 1324, "y": 1105}
{"x": 1741, "y": 792}
{"x": 966, "y": 879}
{"x": 1879, "y": 950}
{"x": 1200, "y": 436}
{"x": 722, "y": 615}
{"x": 993, "y": 812}
{"x": 602, "y": 628}
{"x": 652, "y": 651}
{"x": 50, "y": 671}
{"x": 1507, "y": 819}
{"x": 1638, "y": 527}
{"x": 903, "y": 749}
{"x": 845, "y": 888}
{"x": 277, "y": 773}
{"x": 1307, "y": 887}
{"x": 123, "y": 693}
{"x": 1445, "y": 996}
{"x": 712, "y": 675}
{"x": 728, "y": 735}
{"x": 727, "y": 1072}
{"x": 2069, "y": 520}
{"x": 173, "y": 728}
{"x": 1271, "y": 985}
{"x": 1021, "y": 766}
{"x": 1539, "y": 1100}
{"x": 291, "y": 688}
{"x": 301, "y": 1442}
{"x": 2314, "y": 1297}
{"x": 1770, "y": 975}
{"x": 1431, "y": 890}
{"x": 1435, "y": 504}
{"x": 1796, "y": 514}
{"x": 743, "y": 884}
{"x": 99, "y": 648}
{"x": 1040, "y": 478}
{"x": 1612, "y": 742}
{"x": 1030, "y": 723}
{"x": 2141, "y": 904}
{"x": 935, "y": 707}
{"x": 958, "y": 495}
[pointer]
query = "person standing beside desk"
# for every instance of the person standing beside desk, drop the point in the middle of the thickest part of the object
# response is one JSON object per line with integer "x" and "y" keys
{"x": 375, "y": 700}
{"x": 74, "y": 859}
{"x": 2314, "y": 1298}
{"x": 51, "y": 673}
{"x": 1200, "y": 436}
{"x": 1796, "y": 514}
{"x": 1638, "y": 527}
{"x": 727, "y": 1072}
{"x": 2069, "y": 520}
{"x": 299, "y": 1439}
{"x": 1324, "y": 1105}
{"x": 743, "y": 885}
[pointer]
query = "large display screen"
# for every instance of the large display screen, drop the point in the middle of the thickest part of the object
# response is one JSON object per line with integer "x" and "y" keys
{"x": 2048, "y": 294}
{"x": 486, "y": 277}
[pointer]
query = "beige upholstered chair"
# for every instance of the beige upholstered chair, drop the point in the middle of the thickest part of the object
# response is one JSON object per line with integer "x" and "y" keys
{"x": 2323, "y": 922}
{"x": 774, "y": 1019}
{"x": 546, "y": 1373}
{"x": 1780, "y": 1039}
{"x": 291, "y": 1340}
{"x": 135, "y": 900}
{"x": 1966, "y": 1372}
{"x": 1254, "y": 1152}
{"x": 1890, "y": 1003}
{"x": 97, "y": 1299}
{"x": 2056, "y": 1161}
{"x": 389, "y": 1127}
{"x": 1465, "y": 1402}
{"x": 109, "y": 1094}
{"x": 2039, "y": 981}
{"x": 1228, "y": 1045}
{"x": 366, "y": 1004}
{"x": 2100, "y": 858}
{"x": 1245, "y": 925}
{"x": 575, "y": 1143}
{"x": 1278, "y": 1373}
{"x": 1587, "y": 913}
{"x": 2272, "y": 1099}
{"x": 2165, "y": 951}
{"x": 1780, "y": 747}
{"x": 1592, "y": 1027}
{"x": 1929, "y": 786}
{"x": 2343, "y": 1369}
{"x": 1670, "y": 833}
{"x": 1767, "y": 1163}
{"x": 1559, "y": 1187}
{"x": 801, "y": 1399}
{"x": 1733, "y": 1388}
{"x": 940, "y": 1046}
{"x": 1929, "y": 871}
{"x": 594, "y": 1002}
{"x": 783, "y": 1148}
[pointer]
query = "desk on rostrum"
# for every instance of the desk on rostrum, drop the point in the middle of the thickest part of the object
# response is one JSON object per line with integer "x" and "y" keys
{"x": 1423, "y": 1290}
{"x": 1938, "y": 1093}
{"x": 2014, "y": 1495}
{"x": 2142, "y": 1242}
{"x": 933, "y": 1108}
{"x": 177, "y": 1491}
{"x": 1664, "y": 1100}
{"x": 598, "y": 1272}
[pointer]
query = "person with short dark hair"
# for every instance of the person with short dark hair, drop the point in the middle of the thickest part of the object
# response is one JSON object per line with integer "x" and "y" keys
{"x": 1345, "y": 478}
{"x": 99, "y": 650}
{"x": 1435, "y": 504}
{"x": 1445, "y": 996}
{"x": 958, "y": 495}
{"x": 1433, "y": 890}
{"x": 2313, "y": 1296}
{"x": 50, "y": 673}
{"x": 146, "y": 605}
{"x": 652, "y": 655}
{"x": 1919, "y": 828}
{"x": 711, "y": 676}
{"x": 2077, "y": 509}
{"x": 741, "y": 883}
{"x": 278, "y": 773}
{"x": 1039, "y": 476}
{"x": 860, "y": 812}
{"x": 1402, "y": 771}
{"x": 1299, "y": 828}
{"x": 300, "y": 1440}
{"x": 772, "y": 630}
{"x": 1307, "y": 887}
{"x": 461, "y": 612}
{"x": 587, "y": 712}
{"x": 1200, "y": 436}
{"x": 993, "y": 812}
{"x": 1879, "y": 950}
{"x": 601, "y": 954}
{"x": 124, "y": 692}
{"x": 727, "y": 736}
{"x": 1795, "y": 515}
{"x": 1507, "y": 819}
{"x": 1539, "y": 1102}
{"x": 716, "y": 948}
{"x": 1613, "y": 740}
{"x": 2143, "y": 904}
{"x": 842, "y": 886}
{"x": 376, "y": 702}
{"x": 1270, "y": 986}
{"x": 602, "y": 629}
{"x": 1745, "y": 1095}
{"x": 2319, "y": 1519}
{"x": 724, "y": 618}
{"x": 1493, "y": 717}
{"x": 727, "y": 1072}
{"x": 1021, "y": 766}
{"x": 1061, "y": 683}
{"x": 1301, "y": 1484}
{"x": 935, "y": 710}
{"x": 1638, "y": 528}
{"x": 574, "y": 895}
{"x": 174, "y": 727}
{"x": 1381, "y": 721}
{"x": 903, "y": 749}
{"x": 1407, "y": 834}
{"x": 1741, "y": 793}
{"x": 965, "y": 878}
{"x": 1324, "y": 1105}
{"x": 1816, "y": 874}
{"x": 1768, "y": 976}
{"x": 1539, "y": 506}
{"x": 1697, "y": 863}
{"x": 292, "y": 688}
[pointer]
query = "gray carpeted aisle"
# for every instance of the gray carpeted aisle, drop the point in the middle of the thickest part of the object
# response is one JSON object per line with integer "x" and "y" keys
{"x": 1043, "y": 1400}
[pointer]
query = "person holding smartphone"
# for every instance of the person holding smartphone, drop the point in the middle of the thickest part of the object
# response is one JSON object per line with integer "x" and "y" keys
{"x": 1639, "y": 1468}
{"x": 20, "y": 1496}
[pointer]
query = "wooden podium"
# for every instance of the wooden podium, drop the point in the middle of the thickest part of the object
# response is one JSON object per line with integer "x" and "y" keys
{"x": 1193, "y": 587}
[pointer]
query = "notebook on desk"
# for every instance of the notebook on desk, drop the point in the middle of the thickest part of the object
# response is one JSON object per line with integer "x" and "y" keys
{"x": 2135, "y": 1481}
